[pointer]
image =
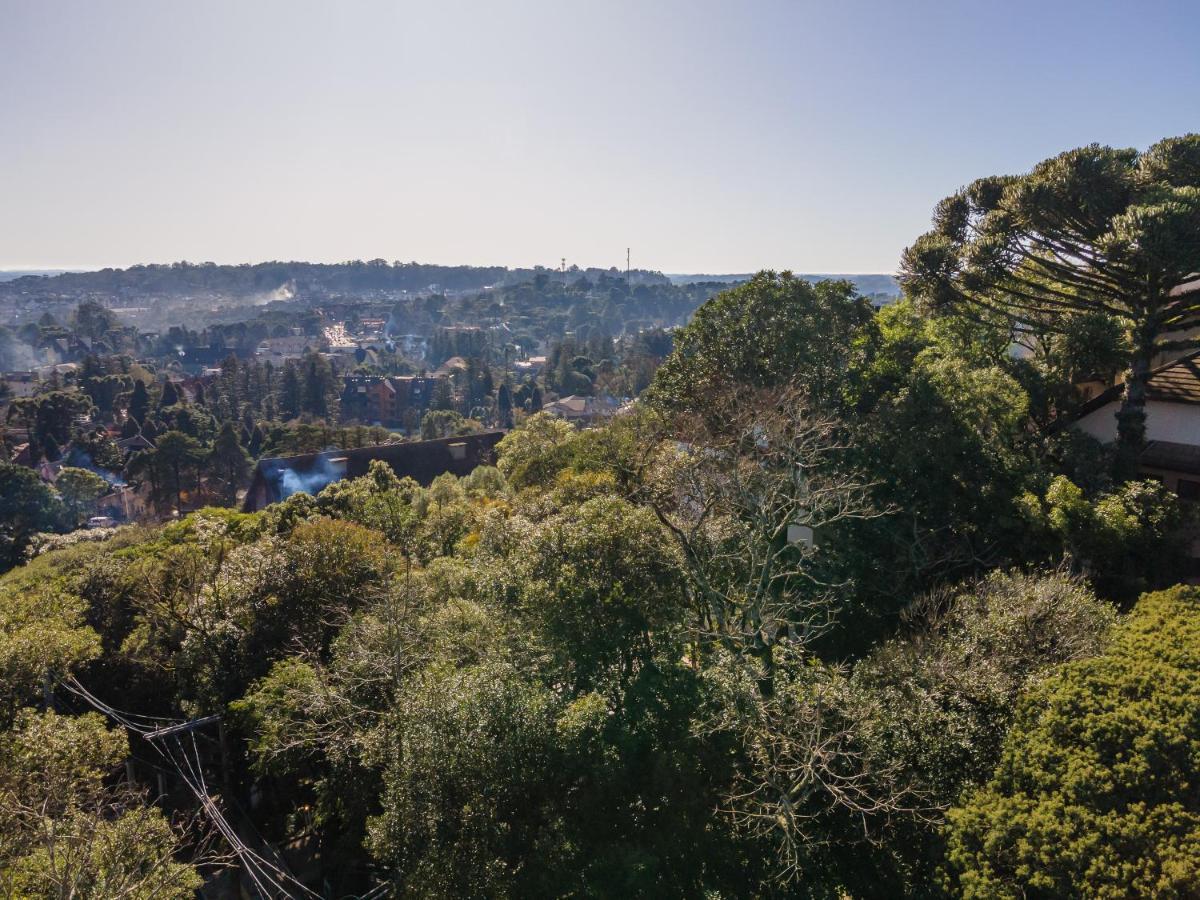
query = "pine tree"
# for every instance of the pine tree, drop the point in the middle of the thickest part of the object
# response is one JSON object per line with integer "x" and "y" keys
{"x": 139, "y": 402}
{"x": 228, "y": 463}
{"x": 256, "y": 442}
{"x": 289, "y": 391}
{"x": 504, "y": 406}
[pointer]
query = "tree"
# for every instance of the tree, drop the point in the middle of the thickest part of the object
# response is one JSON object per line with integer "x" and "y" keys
{"x": 318, "y": 393}
{"x": 1093, "y": 230}
{"x": 65, "y": 833}
{"x": 91, "y": 320}
{"x": 254, "y": 448}
{"x": 603, "y": 583}
{"x": 94, "y": 447}
{"x": 776, "y": 329}
{"x": 504, "y": 405}
{"x": 1102, "y": 766}
{"x": 171, "y": 467}
{"x": 27, "y": 506}
{"x": 139, "y": 402}
{"x": 79, "y": 489}
{"x": 746, "y": 505}
{"x": 444, "y": 423}
{"x": 536, "y": 452}
{"x": 469, "y": 801}
{"x": 228, "y": 462}
{"x": 754, "y": 492}
{"x": 169, "y": 396}
{"x": 290, "y": 395}
{"x": 1126, "y": 541}
{"x": 50, "y": 417}
{"x": 932, "y": 706}
{"x": 443, "y": 394}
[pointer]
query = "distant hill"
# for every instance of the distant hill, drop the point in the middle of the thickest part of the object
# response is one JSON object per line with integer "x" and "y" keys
{"x": 184, "y": 279}
{"x": 867, "y": 283}
{"x": 14, "y": 274}
{"x": 285, "y": 279}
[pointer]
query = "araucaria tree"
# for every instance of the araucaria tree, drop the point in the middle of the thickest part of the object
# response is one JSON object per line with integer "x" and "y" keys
{"x": 1091, "y": 232}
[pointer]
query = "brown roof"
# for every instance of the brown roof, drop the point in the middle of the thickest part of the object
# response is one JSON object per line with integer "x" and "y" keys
{"x": 1172, "y": 456}
{"x": 1177, "y": 381}
{"x": 1188, "y": 287}
{"x": 278, "y": 477}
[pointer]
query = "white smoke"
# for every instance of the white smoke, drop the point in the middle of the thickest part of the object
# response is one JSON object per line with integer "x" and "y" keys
{"x": 292, "y": 482}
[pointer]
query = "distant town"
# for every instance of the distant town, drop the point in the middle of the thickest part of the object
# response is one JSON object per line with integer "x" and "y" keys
{"x": 169, "y": 383}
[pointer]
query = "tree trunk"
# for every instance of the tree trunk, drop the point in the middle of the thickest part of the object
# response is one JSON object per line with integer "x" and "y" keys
{"x": 1131, "y": 417}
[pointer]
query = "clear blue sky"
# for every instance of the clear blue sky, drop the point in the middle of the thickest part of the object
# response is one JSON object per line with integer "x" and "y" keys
{"x": 714, "y": 137}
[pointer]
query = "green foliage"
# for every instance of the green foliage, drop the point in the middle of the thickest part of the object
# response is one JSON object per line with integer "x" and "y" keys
{"x": 535, "y": 453}
{"x": 63, "y": 833}
{"x": 228, "y": 462}
{"x": 444, "y": 423}
{"x": 1096, "y": 794}
{"x": 705, "y": 649}
{"x": 932, "y": 706}
{"x": 1095, "y": 232}
{"x": 27, "y": 506}
{"x": 765, "y": 333}
{"x": 469, "y": 801}
{"x": 171, "y": 468}
{"x": 50, "y": 418}
{"x": 1127, "y": 541}
{"x": 79, "y": 489}
{"x": 601, "y": 585}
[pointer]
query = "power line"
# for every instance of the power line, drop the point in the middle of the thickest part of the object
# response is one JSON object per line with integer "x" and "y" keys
{"x": 173, "y": 733}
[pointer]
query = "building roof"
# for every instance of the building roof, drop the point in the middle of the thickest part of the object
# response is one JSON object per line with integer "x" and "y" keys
{"x": 1171, "y": 456}
{"x": 1187, "y": 287}
{"x": 1177, "y": 381}
{"x": 575, "y": 406}
{"x": 138, "y": 442}
{"x": 276, "y": 478}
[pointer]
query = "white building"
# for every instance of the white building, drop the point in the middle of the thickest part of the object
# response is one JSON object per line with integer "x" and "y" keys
{"x": 1172, "y": 424}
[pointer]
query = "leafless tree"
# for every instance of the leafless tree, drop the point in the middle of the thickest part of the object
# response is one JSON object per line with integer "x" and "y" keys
{"x": 754, "y": 503}
{"x": 750, "y": 504}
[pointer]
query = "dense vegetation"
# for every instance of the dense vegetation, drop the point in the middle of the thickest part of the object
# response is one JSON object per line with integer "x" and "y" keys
{"x": 839, "y": 609}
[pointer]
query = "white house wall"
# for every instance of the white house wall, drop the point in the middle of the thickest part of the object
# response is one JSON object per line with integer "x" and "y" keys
{"x": 1178, "y": 422}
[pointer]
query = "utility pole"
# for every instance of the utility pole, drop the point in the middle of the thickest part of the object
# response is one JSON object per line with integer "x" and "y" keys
{"x": 627, "y": 265}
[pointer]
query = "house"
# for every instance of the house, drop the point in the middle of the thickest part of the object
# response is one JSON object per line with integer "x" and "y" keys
{"x": 22, "y": 384}
{"x": 278, "y": 350}
{"x": 1172, "y": 451}
{"x": 531, "y": 366}
{"x": 277, "y": 478}
{"x": 125, "y": 503}
{"x": 1187, "y": 289}
{"x": 392, "y": 401}
{"x": 581, "y": 410}
{"x": 194, "y": 360}
{"x": 367, "y": 398}
{"x": 133, "y": 444}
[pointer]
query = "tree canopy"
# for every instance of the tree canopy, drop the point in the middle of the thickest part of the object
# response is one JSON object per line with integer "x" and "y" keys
{"x": 1090, "y": 231}
{"x": 1095, "y": 794}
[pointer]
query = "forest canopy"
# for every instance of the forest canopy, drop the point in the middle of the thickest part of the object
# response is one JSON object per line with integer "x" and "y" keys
{"x": 838, "y": 608}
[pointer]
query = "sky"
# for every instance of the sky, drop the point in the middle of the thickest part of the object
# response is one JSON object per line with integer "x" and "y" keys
{"x": 706, "y": 136}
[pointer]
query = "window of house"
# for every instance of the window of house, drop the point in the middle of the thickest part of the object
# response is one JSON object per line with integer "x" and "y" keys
{"x": 1188, "y": 490}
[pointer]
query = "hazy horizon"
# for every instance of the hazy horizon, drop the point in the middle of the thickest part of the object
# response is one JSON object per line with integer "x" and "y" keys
{"x": 251, "y": 262}
{"x": 706, "y": 137}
